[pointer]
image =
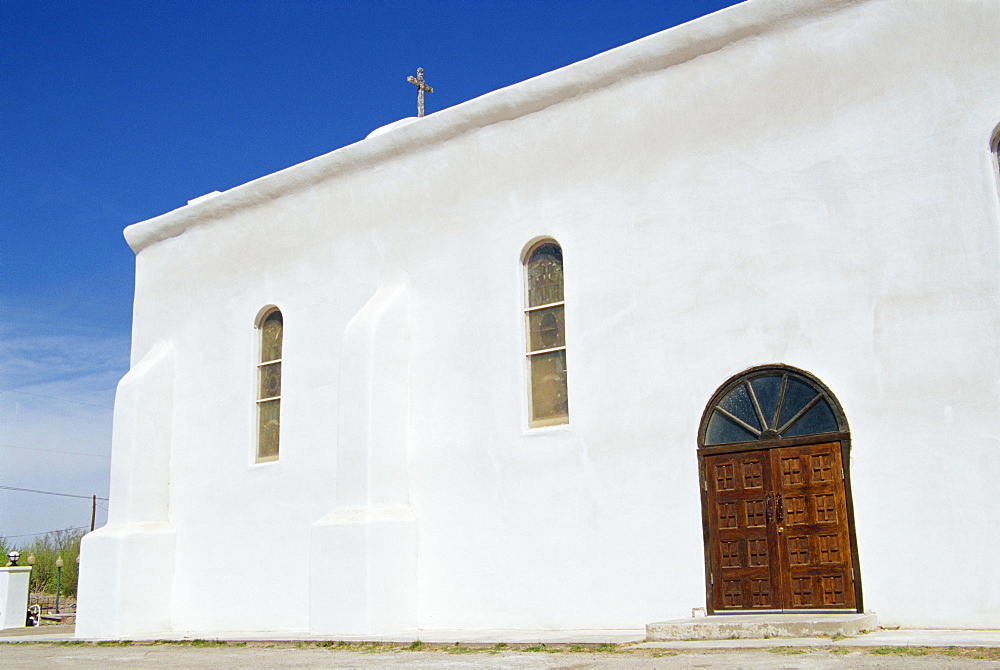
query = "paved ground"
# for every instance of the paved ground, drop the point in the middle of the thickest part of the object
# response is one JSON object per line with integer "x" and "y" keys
{"x": 107, "y": 656}
{"x": 54, "y": 647}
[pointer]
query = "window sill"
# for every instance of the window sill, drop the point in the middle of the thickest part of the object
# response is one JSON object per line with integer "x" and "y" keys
{"x": 265, "y": 460}
{"x": 544, "y": 430}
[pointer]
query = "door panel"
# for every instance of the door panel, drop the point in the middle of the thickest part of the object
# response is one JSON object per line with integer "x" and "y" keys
{"x": 811, "y": 518}
{"x": 778, "y": 529}
{"x": 738, "y": 517}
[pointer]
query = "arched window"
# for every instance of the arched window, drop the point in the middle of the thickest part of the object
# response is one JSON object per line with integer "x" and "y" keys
{"x": 269, "y": 386}
{"x": 770, "y": 403}
{"x": 996, "y": 153}
{"x": 544, "y": 318}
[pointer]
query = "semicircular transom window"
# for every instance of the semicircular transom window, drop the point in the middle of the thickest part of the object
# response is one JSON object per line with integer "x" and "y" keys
{"x": 770, "y": 405}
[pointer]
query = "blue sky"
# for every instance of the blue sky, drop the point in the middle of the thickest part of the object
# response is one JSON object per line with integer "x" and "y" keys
{"x": 113, "y": 112}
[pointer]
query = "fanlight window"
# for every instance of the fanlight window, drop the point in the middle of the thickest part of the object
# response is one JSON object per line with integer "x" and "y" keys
{"x": 546, "y": 337}
{"x": 269, "y": 386}
{"x": 771, "y": 405}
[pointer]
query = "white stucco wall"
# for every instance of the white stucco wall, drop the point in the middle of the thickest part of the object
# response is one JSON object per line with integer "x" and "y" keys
{"x": 807, "y": 183}
{"x": 14, "y": 595}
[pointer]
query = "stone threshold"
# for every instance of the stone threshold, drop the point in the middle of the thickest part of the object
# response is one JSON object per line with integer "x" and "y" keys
{"x": 757, "y": 626}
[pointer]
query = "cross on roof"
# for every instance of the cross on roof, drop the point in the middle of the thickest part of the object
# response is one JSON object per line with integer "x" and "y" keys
{"x": 418, "y": 81}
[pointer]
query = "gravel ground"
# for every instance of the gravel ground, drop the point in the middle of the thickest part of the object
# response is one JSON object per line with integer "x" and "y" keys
{"x": 339, "y": 655}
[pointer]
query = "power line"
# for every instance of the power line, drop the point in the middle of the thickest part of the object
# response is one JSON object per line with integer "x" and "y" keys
{"x": 51, "y": 397}
{"x": 54, "y": 451}
{"x": 49, "y": 493}
{"x": 58, "y": 530}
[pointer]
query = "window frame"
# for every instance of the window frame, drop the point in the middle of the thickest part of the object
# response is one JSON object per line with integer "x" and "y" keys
{"x": 259, "y": 400}
{"x": 529, "y": 354}
{"x": 995, "y": 155}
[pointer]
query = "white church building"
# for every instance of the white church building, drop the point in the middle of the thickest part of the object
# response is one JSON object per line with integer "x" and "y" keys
{"x": 709, "y": 320}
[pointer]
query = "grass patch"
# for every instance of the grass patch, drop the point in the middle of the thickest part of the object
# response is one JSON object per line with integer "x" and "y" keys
{"x": 336, "y": 644}
{"x": 606, "y": 646}
{"x": 535, "y": 647}
{"x": 457, "y": 649}
{"x": 901, "y": 651}
{"x": 360, "y": 647}
{"x": 114, "y": 643}
{"x": 208, "y": 643}
{"x": 786, "y": 650}
{"x": 840, "y": 652}
{"x": 978, "y": 653}
{"x": 71, "y": 643}
{"x": 416, "y": 645}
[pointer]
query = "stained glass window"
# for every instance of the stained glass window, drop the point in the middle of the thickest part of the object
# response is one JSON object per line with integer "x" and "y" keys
{"x": 269, "y": 386}
{"x": 770, "y": 405}
{"x": 545, "y": 275}
{"x": 546, "y": 335}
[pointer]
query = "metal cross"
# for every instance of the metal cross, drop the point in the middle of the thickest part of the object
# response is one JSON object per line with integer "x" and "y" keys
{"x": 418, "y": 81}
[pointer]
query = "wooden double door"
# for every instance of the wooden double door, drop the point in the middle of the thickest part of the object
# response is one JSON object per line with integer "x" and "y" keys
{"x": 777, "y": 529}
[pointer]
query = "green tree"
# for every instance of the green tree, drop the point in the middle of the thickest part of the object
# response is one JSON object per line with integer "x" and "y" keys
{"x": 46, "y": 550}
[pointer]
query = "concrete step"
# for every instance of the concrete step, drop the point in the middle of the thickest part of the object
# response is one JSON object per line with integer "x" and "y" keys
{"x": 746, "y": 626}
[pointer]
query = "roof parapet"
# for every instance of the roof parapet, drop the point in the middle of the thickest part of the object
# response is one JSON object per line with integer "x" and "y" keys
{"x": 655, "y": 52}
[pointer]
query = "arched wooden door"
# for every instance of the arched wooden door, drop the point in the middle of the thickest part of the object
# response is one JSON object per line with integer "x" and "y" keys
{"x": 776, "y": 496}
